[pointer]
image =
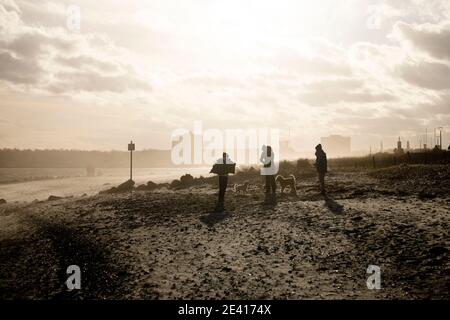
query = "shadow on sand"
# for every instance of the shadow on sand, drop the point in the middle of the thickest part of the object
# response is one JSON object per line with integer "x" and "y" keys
{"x": 49, "y": 250}
{"x": 270, "y": 202}
{"x": 289, "y": 196}
{"x": 332, "y": 205}
{"x": 215, "y": 216}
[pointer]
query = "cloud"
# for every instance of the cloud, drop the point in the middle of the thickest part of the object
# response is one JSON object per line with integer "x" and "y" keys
{"x": 56, "y": 60}
{"x": 439, "y": 105}
{"x": 87, "y": 62}
{"x": 318, "y": 57}
{"x": 311, "y": 73}
{"x": 94, "y": 82}
{"x": 318, "y": 66}
{"x": 329, "y": 92}
{"x": 335, "y": 85}
{"x": 389, "y": 125}
{"x": 10, "y": 5}
{"x": 429, "y": 75}
{"x": 17, "y": 70}
{"x": 380, "y": 14}
{"x": 9, "y": 18}
{"x": 434, "y": 39}
{"x": 385, "y": 12}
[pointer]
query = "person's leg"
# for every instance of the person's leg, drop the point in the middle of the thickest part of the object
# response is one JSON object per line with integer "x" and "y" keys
{"x": 319, "y": 179}
{"x": 222, "y": 187}
{"x": 225, "y": 185}
{"x": 322, "y": 181}
{"x": 267, "y": 184}
{"x": 273, "y": 184}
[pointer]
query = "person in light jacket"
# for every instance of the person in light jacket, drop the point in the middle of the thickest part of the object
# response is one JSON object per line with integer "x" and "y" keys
{"x": 269, "y": 169}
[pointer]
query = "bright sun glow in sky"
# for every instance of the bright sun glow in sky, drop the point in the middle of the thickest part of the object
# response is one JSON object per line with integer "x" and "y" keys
{"x": 370, "y": 69}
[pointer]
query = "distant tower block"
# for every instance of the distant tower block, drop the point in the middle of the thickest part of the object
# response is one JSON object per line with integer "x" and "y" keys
{"x": 408, "y": 146}
{"x": 399, "y": 146}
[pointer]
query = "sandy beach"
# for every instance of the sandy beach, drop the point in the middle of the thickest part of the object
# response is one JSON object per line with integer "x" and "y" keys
{"x": 172, "y": 243}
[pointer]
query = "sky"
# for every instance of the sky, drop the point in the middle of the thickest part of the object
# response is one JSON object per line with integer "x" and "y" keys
{"x": 374, "y": 70}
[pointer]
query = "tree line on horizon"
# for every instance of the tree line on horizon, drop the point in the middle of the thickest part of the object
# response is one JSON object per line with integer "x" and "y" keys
{"x": 15, "y": 158}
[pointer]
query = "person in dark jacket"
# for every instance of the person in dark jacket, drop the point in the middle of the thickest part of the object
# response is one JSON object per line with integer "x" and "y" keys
{"x": 321, "y": 166}
{"x": 222, "y": 172}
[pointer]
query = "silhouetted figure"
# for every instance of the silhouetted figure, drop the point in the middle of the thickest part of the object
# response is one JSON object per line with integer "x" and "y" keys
{"x": 222, "y": 168}
{"x": 321, "y": 166}
{"x": 269, "y": 170}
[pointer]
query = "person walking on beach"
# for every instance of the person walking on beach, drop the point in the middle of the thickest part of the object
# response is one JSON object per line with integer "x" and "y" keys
{"x": 222, "y": 168}
{"x": 321, "y": 166}
{"x": 269, "y": 170}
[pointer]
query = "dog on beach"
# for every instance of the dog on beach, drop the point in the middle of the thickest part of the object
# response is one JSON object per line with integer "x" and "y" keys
{"x": 287, "y": 182}
{"x": 241, "y": 188}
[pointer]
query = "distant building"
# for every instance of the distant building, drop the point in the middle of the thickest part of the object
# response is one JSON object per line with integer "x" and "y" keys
{"x": 336, "y": 146}
{"x": 286, "y": 152}
{"x": 399, "y": 149}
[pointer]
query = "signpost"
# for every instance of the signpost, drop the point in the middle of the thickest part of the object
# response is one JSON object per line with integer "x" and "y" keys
{"x": 131, "y": 148}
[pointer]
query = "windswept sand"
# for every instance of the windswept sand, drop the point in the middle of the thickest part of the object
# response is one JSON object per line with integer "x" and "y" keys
{"x": 169, "y": 245}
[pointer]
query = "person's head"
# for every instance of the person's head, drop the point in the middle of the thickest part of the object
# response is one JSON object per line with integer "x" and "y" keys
{"x": 319, "y": 147}
{"x": 264, "y": 148}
